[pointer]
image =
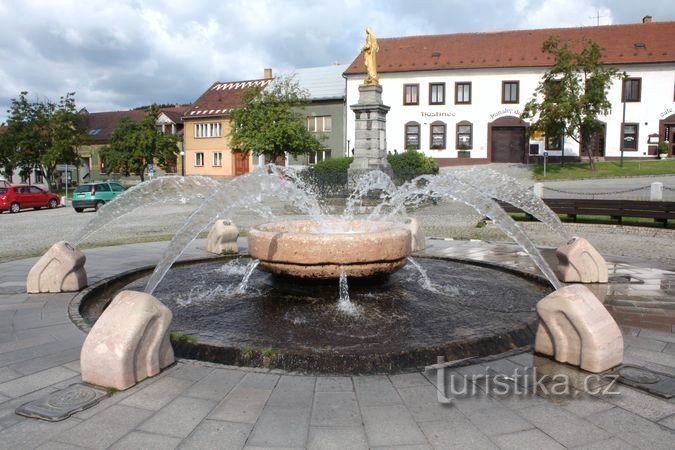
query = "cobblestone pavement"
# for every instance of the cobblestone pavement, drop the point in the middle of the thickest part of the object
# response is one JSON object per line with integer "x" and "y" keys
{"x": 200, "y": 405}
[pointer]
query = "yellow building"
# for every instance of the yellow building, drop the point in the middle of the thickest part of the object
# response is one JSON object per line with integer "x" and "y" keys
{"x": 207, "y": 130}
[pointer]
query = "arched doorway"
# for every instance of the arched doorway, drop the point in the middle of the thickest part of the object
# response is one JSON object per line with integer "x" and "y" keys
{"x": 667, "y": 132}
{"x": 507, "y": 140}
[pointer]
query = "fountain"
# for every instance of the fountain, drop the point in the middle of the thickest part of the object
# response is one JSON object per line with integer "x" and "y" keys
{"x": 364, "y": 305}
{"x": 335, "y": 294}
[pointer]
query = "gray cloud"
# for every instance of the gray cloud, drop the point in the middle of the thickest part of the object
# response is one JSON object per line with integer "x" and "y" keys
{"x": 122, "y": 54}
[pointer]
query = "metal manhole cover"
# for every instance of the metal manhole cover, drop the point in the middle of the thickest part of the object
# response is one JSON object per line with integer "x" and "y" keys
{"x": 638, "y": 375}
{"x": 62, "y": 404}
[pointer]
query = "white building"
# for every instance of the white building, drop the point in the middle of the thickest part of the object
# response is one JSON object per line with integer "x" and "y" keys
{"x": 458, "y": 97}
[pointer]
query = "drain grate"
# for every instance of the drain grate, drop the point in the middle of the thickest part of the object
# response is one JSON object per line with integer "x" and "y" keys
{"x": 656, "y": 383}
{"x": 62, "y": 404}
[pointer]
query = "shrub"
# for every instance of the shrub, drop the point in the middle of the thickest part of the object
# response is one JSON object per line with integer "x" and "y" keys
{"x": 328, "y": 177}
{"x": 410, "y": 164}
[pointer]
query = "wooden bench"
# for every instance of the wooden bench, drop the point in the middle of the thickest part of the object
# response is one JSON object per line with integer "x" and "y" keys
{"x": 661, "y": 212}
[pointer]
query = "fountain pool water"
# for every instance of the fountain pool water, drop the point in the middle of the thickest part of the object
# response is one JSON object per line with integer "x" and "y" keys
{"x": 396, "y": 317}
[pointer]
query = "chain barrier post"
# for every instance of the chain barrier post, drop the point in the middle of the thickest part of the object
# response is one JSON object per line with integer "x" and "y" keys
{"x": 656, "y": 192}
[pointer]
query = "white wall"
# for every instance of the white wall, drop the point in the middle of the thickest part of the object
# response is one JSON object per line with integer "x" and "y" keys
{"x": 656, "y": 103}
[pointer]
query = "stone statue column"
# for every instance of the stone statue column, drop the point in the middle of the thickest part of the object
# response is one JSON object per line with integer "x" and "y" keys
{"x": 370, "y": 143}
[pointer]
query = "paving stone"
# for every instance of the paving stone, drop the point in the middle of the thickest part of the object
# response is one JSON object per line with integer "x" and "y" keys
{"x": 21, "y": 344}
{"x": 658, "y": 335}
{"x": 179, "y": 417}
{"x": 641, "y": 403}
{"x": 334, "y": 384}
{"x": 216, "y": 385}
{"x": 607, "y": 444}
{"x": 53, "y": 445}
{"x": 423, "y": 404}
{"x": 375, "y": 391}
{"x": 293, "y": 391}
{"x": 644, "y": 343}
{"x": 146, "y": 441}
{"x": 408, "y": 380}
{"x": 497, "y": 420}
{"x": 391, "y": 425}
{"x": 45, "y": 362}
{"x": 31, "y": 433}
{"x": 583, "y": 404}
{"x": 331, "y": 438}
{"x": 241, "y": 405}
{"x": 563, "y": 426}
{"x": 24, "y": 385}
{"x": 106, "y": 428}
{"x": 158, "y": 394}
{"x": 338, "y": 409}
{"x": 668, "y": 422}
{"x": 457, "y": 433}
{"x": 670, "y": 348}
{"x": 280, "y": 426}
{"x": 189, "y": 371}
{"x": 254, "y": 380}
{"x": 528, "y": 439}
{"x": 522, "y": 359}
{"x": 7, "y": 374}
{"x": 217, "y": 434}
{"x": 633, "y": 429}
{"x": 39, "y": 351}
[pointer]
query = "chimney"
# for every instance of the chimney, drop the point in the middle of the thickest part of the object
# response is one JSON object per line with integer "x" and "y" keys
{"x": 267, "y": 74}
{"x": 647, "y": 19}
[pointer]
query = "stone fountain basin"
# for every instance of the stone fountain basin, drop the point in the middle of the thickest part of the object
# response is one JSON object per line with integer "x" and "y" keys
{"x": 323, "y": 249}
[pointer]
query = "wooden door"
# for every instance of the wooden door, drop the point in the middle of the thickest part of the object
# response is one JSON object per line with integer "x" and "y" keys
{"x": 508, "y": 144}
{"x": 240, "y": 164}
{"x": 670, "y": 137}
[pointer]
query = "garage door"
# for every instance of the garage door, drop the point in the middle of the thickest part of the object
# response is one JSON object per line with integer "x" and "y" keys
{"x": 508, "y": 144}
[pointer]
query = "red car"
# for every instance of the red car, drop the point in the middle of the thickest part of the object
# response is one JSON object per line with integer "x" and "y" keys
{"x": 15, "y": 197}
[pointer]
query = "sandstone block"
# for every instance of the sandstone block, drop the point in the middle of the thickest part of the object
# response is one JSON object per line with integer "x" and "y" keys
{"x": 128, "y": 343}
{"x": 580, "y": 262}
{"x": 61, "y": 269}
{"x": 575, "y": 328}
{"x": 222, "y": 238}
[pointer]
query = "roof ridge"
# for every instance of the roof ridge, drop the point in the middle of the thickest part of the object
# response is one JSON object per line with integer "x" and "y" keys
{"x": 523, "y": 30}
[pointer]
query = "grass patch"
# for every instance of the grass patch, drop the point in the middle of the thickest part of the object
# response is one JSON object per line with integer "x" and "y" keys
{"x": 604, "y": 169}
{"x": 181, "y": 338}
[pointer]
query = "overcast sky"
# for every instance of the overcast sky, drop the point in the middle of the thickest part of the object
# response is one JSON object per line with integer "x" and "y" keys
{"x": 119, "y": 54}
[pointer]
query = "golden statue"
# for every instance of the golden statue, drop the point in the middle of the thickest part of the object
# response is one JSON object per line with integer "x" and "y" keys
{"x": 370, "y": 57}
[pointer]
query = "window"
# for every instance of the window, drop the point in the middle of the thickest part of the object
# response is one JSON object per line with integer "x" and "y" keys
{"x": 438, "y": 136}
{"x": 437, "y": 93}
{"x": 199, "y": 159}
{"x": 510, "y": 91}
{"x": 553, "y": 141}
{"x": 103, "y": 187}
{"x": 463, "y": 93}
{"x": 412, "y": 136}
{"x": 207, "y": 130}
{"x": 411, "y": 94}
{"x": 632, "y": 88}
{"x": 35, "y": 190}
{"x": 464, "y": 135}
{"x": 116, "y": 187}
{"x": 38, "y": 176}
{"x": 217, "y": 159}
{"x": 630, "y": 136}
{"x": 320, "y": 124}
{"x": 318, "y": 156}
{"x": 94, "y": 131}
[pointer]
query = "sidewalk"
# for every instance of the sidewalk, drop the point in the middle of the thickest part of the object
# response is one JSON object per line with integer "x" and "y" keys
{"x": 202, "y": 405}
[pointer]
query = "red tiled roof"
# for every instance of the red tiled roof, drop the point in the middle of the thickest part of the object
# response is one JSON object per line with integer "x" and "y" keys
{"x": 221, "y": 98}
{"x": 100, "y": 126}
{"x": 621, "y": 44}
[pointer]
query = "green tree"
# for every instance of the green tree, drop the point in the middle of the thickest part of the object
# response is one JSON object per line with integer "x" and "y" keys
{"x": 40, "y": 135}
{"x": 270, "y": 122}
{"x": 572, "y": 94}
{"x": 134, "y": 145}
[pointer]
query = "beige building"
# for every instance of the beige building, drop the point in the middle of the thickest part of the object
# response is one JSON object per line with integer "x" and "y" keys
{"x": 207, "y": 130}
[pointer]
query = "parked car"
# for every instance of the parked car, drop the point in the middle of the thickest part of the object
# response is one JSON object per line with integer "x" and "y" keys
{"x": 15, "y": 197}
{"x": 95, "y": 195}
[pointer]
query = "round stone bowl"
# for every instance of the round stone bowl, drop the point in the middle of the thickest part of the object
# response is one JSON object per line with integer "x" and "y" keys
{"x": 322, "y": 250}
